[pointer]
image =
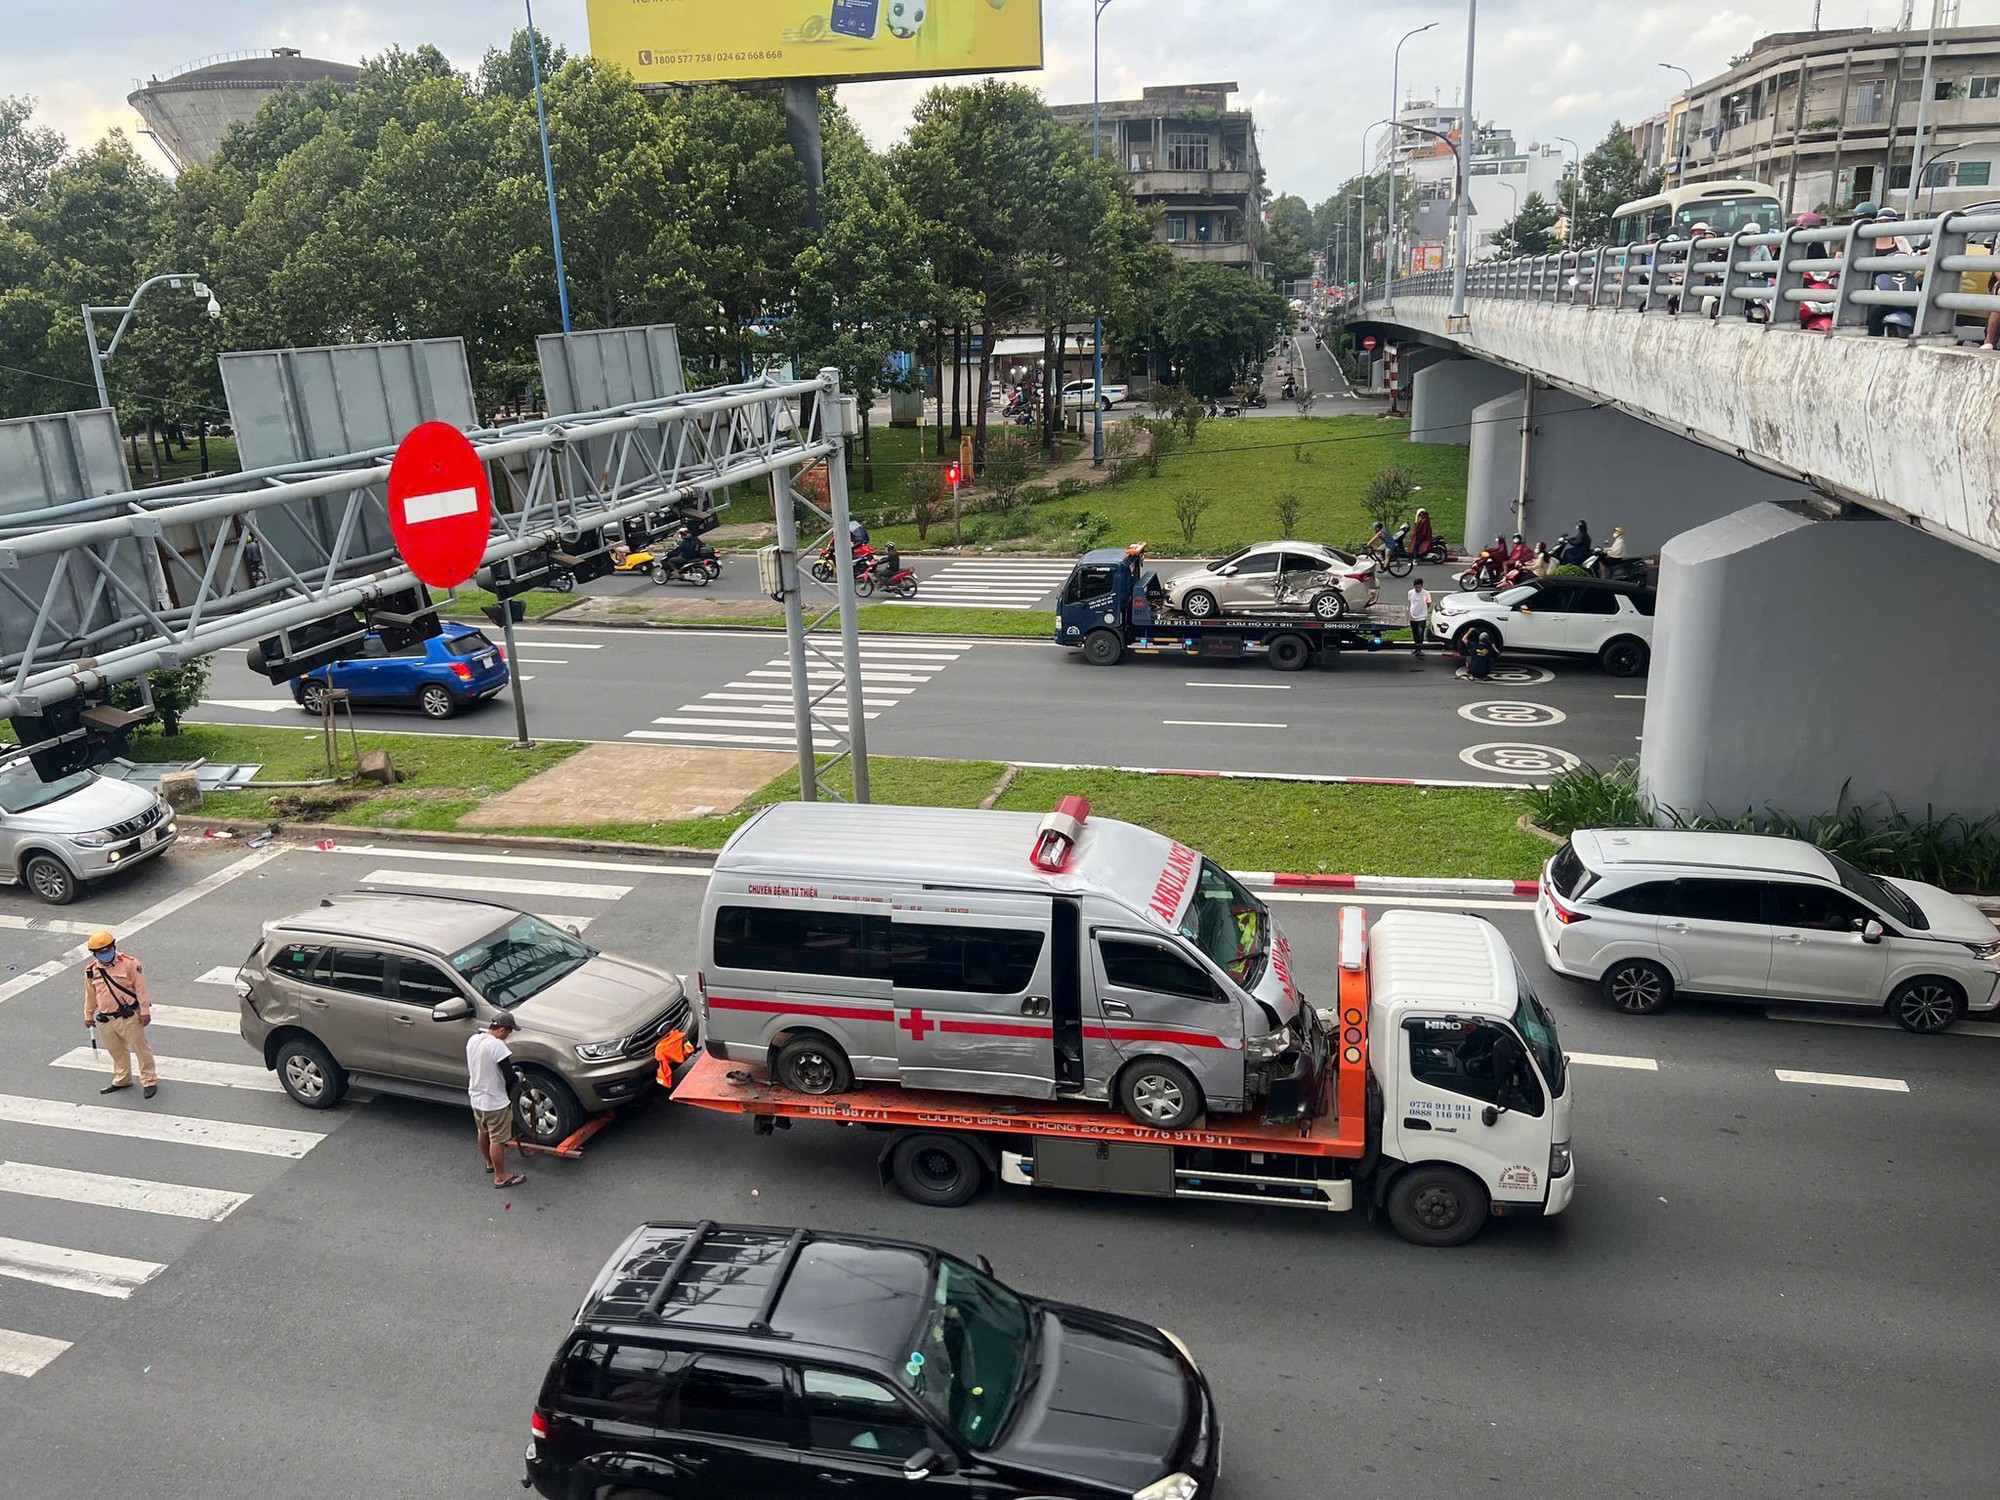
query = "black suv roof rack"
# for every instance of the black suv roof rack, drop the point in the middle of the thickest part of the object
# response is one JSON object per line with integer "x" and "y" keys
{"x": 708, "y": 1281}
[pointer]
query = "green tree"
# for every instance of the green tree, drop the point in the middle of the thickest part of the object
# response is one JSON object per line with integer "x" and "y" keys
{"x": 1613, "y": 173}
{"x": 511, "y": 70}
{"x": 1532, "y": 231}
{"x": 28, "y": 154}
{"x": 1216, "y": 323}
{"x": 1288, "y": 239}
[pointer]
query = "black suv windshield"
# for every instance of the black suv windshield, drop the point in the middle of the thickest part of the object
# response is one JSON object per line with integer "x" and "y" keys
{"x": 21, "y": 790}
{"x": 523, "y": 958}
{"x": 971, "y": 1354}
{"x": 1878, "y": 893}
{"x": 1231, "y": 926}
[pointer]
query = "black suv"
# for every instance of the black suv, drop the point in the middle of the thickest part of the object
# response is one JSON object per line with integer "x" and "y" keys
{"x": 713, "y": 1361}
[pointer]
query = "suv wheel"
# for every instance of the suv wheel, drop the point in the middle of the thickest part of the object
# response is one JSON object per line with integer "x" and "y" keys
{"x": 1926, "y": 1005}
{"x": 50, "y": 879}
{"x": 437, "y": 702}
{"x": 312, "y": 698}
{"x": 1625, "y": 657}
{"x": 545, "y": 1109}
{"x": 1637, "y": 986}
{"x": 309, "y": 1073}
{"x": 811, "y": 1064}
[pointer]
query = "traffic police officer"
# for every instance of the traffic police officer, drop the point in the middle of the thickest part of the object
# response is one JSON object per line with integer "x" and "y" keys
{"x": 116, "y": 1005}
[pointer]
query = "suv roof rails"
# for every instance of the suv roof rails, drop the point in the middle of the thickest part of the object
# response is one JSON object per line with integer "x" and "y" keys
{"x": 369, "y": 888}
{"x": 767, "y": 1278}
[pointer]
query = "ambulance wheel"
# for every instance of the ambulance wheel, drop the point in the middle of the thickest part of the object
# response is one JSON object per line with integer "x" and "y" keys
{"x": 1102, "y": 649}
{"x": 938, "y": 1171}
{"x": 810, "y": 1064}
{"x": 1161, "y": 1093}
{"x": 1289, "y": 653}
{"x": 1437, "y": 1205}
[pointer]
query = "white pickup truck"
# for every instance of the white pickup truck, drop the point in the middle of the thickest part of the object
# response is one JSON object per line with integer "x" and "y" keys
{"x": 1080, "y": 395}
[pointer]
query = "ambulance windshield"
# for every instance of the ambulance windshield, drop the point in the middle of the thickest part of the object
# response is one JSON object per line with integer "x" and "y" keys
{"x": 1228, "y": 924}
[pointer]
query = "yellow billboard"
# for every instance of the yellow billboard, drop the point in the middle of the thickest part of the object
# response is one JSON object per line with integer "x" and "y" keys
{"x": 710, "y": 41}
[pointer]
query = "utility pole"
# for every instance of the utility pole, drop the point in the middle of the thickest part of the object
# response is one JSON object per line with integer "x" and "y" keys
{"x": 548, "y": 170}
{"x": 1467, "y": 131}
{"x": 1395, "y": 153}
{"x": 1097, "y": 325}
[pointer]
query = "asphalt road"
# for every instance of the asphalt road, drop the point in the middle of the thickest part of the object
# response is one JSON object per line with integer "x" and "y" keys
{"x": 1377, "y": 714}
{"x": 1763, "y": 1289}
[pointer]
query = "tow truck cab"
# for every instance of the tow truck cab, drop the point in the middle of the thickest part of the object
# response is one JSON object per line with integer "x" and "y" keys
{"x": 1470, "y": 1072}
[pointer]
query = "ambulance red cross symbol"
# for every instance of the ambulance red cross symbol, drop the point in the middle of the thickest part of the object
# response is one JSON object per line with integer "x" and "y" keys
{"x": 918, "y": 1025}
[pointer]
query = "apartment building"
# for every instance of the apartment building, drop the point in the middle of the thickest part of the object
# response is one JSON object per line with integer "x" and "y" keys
{"x": 1830, "y": 118}
{"x": 1189, "y": 155}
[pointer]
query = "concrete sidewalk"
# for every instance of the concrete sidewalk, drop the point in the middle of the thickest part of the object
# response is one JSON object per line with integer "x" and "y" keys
{"x": 605, "y": 785}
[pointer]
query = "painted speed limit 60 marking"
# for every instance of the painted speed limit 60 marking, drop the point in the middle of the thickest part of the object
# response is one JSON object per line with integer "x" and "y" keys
{"x": 1512, "y": 715}
{"x": 1513, "y": 674}
{"x": 1519, "y": 760}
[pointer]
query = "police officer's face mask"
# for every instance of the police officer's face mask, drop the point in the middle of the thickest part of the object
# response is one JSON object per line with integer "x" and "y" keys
{"x": 107, "y": 955}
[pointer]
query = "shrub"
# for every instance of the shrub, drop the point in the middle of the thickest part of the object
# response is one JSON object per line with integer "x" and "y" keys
{"x": 1388, "y": 496}
{"x": 1565, "y": 570}
{"x": 1010, "y": 458}
{"x": 175, "y": 691}
{"x": 1070, "y": 488}
{"x": 1189, "y": 507}
{"x": 923, "y": 493}
{"x": 1304, "y": 400}
{"x": 1120, "y": 441}
{"x": 1287, "y": 506}
{"x": 1301, "y": 454}
{"x": 1188, "y": 415}
{"x": 1166, "y": 437}
{"x": 1091, "y": 528}
{"x": 1033, "y": 494}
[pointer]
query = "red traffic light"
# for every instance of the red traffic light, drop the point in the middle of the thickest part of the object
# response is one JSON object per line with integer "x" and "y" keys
{"x": 951, "y": 474}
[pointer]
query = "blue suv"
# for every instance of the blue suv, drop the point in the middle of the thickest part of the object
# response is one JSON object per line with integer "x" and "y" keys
{"x": 439, "y": 676}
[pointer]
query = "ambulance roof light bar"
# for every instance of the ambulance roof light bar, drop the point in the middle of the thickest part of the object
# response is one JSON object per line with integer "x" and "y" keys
{"x": 1056, "y": 838}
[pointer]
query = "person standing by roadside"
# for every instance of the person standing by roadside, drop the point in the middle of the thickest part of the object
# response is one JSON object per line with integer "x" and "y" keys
{"x": 1420, "y": 615}
{"x": 117, "y": 1008}
{"x": 253, "y": 557}
{"x": 487, "y": 1061}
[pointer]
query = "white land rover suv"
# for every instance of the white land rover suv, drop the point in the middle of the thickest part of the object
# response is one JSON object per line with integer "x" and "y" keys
{"x": 1646, "y": 912}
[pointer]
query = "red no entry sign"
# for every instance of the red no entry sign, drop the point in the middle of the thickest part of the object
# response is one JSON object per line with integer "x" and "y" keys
{"x": 440, "y": 504}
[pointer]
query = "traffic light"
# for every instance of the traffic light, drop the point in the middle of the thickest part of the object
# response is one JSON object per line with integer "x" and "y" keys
{"x": 952, "y": 474}
{"x": 73, "y": 736}
{"x": 404, "y": 618}
{"x": 304, "y": 648}
{"x": 584, "y": 554}
{"x": 515, "y": 575}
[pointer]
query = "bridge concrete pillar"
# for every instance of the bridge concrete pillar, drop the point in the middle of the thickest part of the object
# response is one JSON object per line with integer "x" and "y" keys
{"x": 1445, "y": 393}
{"x": 1599, "y": 465}
{"x": 1796, "y": 660}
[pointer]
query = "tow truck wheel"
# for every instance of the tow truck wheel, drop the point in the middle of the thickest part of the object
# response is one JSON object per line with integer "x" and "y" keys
{"x": 938, "y": 1171}
{"x": 1289, "y": 653}
{"x": 1161, "y": 1093}
{"x": 810, "y": 1064}
{"x": 1101, "y": 648}
{"x": 1437, "y": 1206}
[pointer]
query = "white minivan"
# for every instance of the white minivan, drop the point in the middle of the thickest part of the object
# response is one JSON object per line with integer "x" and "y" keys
{"x": 1060, "y": 958}
{"x": 1647, "y": 912}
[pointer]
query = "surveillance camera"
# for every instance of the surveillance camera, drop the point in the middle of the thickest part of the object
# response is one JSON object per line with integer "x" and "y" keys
{"x": 214, "y": 308}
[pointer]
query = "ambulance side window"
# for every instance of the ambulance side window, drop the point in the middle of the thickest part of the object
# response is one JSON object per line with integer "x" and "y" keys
{"x": 970, "y": 960}
{"x": 1476, "y": 1059}
{"x": 795, "y": 940}
{"x": 1143, "y": 966}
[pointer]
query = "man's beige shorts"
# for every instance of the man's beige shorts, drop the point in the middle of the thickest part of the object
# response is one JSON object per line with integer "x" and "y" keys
{"x": 495, "y": 1124}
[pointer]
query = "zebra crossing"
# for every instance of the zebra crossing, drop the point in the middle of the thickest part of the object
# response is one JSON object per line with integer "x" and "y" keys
{"x": 991, "y": 583}
{"x": 98, "y": 1198}
{"x": 756, "y": 708}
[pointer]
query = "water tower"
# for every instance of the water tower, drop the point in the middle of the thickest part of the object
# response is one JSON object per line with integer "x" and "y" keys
{"x": 189, "y": 113}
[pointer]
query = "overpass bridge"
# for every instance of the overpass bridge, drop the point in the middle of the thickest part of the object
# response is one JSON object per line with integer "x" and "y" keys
{"x": 1826, "y": 505}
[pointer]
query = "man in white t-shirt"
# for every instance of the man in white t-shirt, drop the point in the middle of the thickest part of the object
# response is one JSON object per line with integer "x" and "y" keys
{"x": 486, "y": 1061}
{"x": 1420, "y": 614}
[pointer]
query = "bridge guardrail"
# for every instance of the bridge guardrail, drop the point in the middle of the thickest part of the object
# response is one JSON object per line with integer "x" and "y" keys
{"x": 1711, "y": 274}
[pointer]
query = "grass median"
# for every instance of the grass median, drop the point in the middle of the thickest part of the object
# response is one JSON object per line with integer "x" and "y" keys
{"x": 902, "y": 619}
{"x": 1256, "y": 825}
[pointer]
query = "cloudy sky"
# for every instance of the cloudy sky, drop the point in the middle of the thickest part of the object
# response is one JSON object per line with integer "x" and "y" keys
{"x": 1315, "y": 71}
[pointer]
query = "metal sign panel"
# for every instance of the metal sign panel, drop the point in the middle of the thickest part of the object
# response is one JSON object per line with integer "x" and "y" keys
{"x": 46, "y": 462}
{"x": 292, "y": 406}
{"x": 606, "y": 368}
{"x": 749, "y": 39}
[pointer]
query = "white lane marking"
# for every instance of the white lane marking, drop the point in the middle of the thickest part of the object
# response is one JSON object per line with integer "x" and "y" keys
{"x": 578, "y": 925}
{"x": 25, "y": 1354}
{"x": 1613, "y": 1060}
{"x": 837, "y": 719}
{"x": 947, "y": 596}
{"x": 439, "y": 505}
{"x": 251, "y": 705}
{"x": 75, "y": 1270}
{"x": 220, "y": 974}
{"x": 818, "y": 678}
{"x": 1355, "y": 898}
{"x": 787, "y": 740}
{"x": 1987, "y": 1029}
{"x": 1248, "y": 687}
{"x": 525, "y": 677}
{"x": 888, "y": 653}
{"x": 1222, "y": 724}
{"x": 567, "y": 890}
{"x": 539, "y": 861}
{"x": 1630, "y": 697}
{"x": 159, "y": 909}
{"x": 144, "y": 1124}
{"x": 254, "y": 1077}
{"x": 781, "y": 696}
{"x": 540, "y": 661}
{"x": 198, "y": 1018}
{"x": 870, "y": 676}
{"x": 102, "y": 1190}
{"x": 1844, "y": 1081}
{"x": 565, "y": 644}
{"x": 831, "y": 706}
{"x": 12, "y": 923}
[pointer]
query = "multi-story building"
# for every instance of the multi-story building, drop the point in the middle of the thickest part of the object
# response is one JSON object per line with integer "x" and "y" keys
{"x": 1649, "y": 140}
{"x": 1194, "y": 159}
{"x": 1501, "y": 175}
{"x": 1830, "y": 118}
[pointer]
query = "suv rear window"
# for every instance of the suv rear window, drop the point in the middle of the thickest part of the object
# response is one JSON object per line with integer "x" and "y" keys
{"x": 468, "y": 645}
{"x": 1568, "y": 873}
{"x": 1643, "y": 600}
{"x": 740, "y": 1398}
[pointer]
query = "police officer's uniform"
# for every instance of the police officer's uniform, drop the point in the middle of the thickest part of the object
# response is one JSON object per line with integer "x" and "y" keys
{"x": 116, "y": 1005}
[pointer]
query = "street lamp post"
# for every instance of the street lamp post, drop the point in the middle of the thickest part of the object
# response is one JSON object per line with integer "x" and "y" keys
{"x": 174, "y": 279}
{"x": 1467, "y": 130}
{"x": 1575, "y": 183}
{"x": 1097, "y": 326}
{"x": 1395, "y": 154}
{"x": 1363, "y": 258}
{"x": 548, "y": 166}
{"x": 1681, "y": 135}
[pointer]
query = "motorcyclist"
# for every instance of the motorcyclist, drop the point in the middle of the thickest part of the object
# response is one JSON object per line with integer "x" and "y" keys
{"x": 687, "y": 549}
{"x": 1518, "y": 555}
{"x": 1420, "y": 533}
{"x": 857, "y": 533}
{"x": 1812, "y": 249}
{"x": 1574, "y": 548}
{"x": 888, "y": 563}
